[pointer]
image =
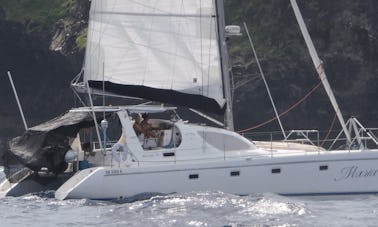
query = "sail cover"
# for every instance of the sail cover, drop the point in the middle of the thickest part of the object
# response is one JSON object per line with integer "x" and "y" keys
{"x": 160, "y": 50}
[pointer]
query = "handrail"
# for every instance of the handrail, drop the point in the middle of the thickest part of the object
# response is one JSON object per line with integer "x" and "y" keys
{"x": 260, "y": 154}
{"x": 364, "y": 135}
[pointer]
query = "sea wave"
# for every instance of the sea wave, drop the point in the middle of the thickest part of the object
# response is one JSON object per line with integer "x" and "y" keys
{"x": 206, "y": 208}
{"x": 184, "y": 209}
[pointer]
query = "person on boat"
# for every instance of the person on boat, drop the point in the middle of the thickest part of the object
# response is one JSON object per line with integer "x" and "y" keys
{"x": 139, "y": 131}
{"x": 147, "y": 128}
{"x": 137, "y": 124}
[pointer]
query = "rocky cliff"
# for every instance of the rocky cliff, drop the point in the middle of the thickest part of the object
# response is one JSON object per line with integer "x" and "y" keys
{"x": 43, "y": 49}
{"x": 41, "y": 44}
{"x": 345, "y": 34}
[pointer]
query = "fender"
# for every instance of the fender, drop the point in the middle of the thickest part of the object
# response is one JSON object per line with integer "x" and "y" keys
{"x": 119, "y": 151}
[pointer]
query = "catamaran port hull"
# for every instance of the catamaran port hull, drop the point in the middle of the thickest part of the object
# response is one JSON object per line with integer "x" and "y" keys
{"x": 32, "y": 183}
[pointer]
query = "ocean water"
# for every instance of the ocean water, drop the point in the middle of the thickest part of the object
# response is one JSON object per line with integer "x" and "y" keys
{"x": 191, "y": 209}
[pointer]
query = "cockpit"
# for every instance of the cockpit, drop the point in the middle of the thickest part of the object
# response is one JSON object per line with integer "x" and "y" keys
{"x": 155, "y": 133}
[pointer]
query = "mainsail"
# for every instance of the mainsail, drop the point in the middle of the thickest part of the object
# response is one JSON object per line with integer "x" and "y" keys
{"x": 165, "y": 51}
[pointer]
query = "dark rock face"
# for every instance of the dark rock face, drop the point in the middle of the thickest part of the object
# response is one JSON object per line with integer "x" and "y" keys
{"x": 41, "y": 76}
{"x": 344, "y": 32}
{"x": 2, "y": 14}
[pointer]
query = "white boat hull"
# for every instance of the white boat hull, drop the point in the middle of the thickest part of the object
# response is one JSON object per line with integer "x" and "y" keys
{"x": 339, "y": 173}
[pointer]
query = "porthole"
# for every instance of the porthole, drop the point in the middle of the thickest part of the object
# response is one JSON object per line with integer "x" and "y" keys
{"x": 276, "y": 170}
{"x": 234, "y": 173}
{"x": 323, "y": 167}
{"x": 169, "y": 154}
{"x": 193, "y": 176}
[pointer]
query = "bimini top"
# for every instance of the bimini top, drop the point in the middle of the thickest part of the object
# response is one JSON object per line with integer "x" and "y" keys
{"x": 46, "y": 144}
{"x": 131, "y": 109}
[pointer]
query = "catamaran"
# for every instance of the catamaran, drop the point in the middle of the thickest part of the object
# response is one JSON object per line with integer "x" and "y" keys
{"x": 175, "y": 52}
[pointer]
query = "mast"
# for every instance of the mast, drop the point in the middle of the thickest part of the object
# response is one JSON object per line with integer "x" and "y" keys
{"x": 229, "y": 120}
{"x": 319, "y": 68}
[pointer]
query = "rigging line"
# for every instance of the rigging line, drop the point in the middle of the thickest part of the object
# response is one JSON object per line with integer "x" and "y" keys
{"x": 101, "y": 31}
{"x": 201, "y": 46}
{"x": 153, "y": 14}
{"x": 162, "y": 12}
{"x": 94, "y": 116}
{"x": 263, "y": 77}
{"x": 209, "y": 54}
{"x": 154, "y": 8}
{"x": 175, "y": 52}
{"x": 202, "y": 93}
{"x": 286, "y": 111}
{"x": 159, "y": 50}
{"x": 318, "y": 64}
{"x": 103, "y": 87}
{"x": 232, "y": 81}
{"x": 329, "y": 130}
{"x": 149, "y": 38}
{"x": 78, "y": 96}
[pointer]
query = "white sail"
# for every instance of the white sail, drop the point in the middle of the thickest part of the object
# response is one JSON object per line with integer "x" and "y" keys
{"x": 139, "y": 46}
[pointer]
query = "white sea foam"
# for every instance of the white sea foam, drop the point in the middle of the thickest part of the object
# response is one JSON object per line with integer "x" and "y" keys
{"x": 191, "y": 209}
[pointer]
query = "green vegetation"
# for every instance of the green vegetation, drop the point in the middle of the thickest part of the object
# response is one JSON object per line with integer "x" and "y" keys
{"x": 44, "y": 12}
{"x": 271, "y": 24}
{"x": 81, "y": 40}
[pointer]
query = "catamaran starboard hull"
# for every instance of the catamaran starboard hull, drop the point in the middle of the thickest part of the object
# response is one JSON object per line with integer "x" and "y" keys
{"x": 343, "y": 173}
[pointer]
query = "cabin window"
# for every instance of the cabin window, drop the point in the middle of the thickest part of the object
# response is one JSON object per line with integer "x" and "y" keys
{"x": 276, "y": 170}
{"x": 234, "y": 173}
{"x": 225, "y": 142}
{"x": 163, "y": 135}
{"x": 323, "y": 167}
{"x": 169, "y": 154}
{"x": 193, "y": 176}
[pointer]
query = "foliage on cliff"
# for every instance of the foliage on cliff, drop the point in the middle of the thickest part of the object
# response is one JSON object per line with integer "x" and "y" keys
{"x": 62, "y": 23}
{"x": 345, "y": 33}
{"x": 42, "y": 41}
{"x": 36, "y": 13}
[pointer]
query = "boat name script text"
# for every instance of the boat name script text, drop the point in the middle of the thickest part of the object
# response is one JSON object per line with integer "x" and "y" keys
{"x": 355, "y": 172}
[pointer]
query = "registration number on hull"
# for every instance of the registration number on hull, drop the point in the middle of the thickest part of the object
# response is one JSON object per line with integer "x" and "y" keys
{"x": 113, "y": 172}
